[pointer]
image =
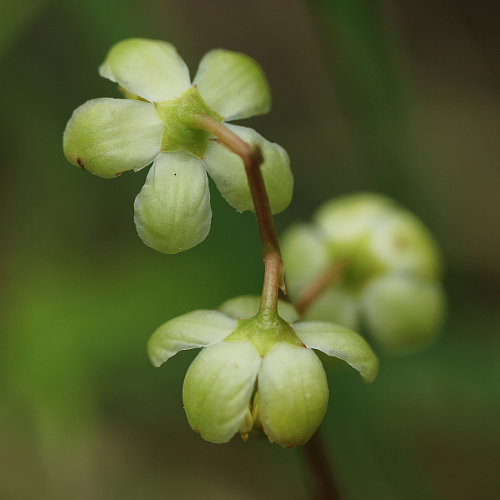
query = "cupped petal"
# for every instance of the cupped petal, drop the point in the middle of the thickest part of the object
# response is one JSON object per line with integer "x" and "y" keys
{"x": 247, "y": 306}
{"x": 305, "y": 255}
{"x": 335, "y": 304}
{"x": 351, "y": 217}
{"x": 233, "y": 84}
{"x": 218, "y": 387}
{"x": 189, "y": 331}
{"x": 293, "y": 394}
{"x": 109, "y": 136}
{"x": 151, "y": 69}
{"x": 228, "y": 172}
{"x": 341, "y": 343}
{"x": 403, "y": 243}
{"x": 172, "y": 211}
{"x": 402, "y": 313}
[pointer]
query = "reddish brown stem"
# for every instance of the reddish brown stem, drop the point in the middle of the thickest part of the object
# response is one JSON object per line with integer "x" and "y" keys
{"x": 321, "y": 470}
{"x": 310, "y": 294}
{"x": 252, "y": 160}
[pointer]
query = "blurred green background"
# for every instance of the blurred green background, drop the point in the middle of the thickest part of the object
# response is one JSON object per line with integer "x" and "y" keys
{"x": 398, "y": 97}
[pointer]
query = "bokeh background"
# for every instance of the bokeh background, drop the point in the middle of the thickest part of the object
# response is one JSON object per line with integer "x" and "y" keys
{"x": 397, "y": 97}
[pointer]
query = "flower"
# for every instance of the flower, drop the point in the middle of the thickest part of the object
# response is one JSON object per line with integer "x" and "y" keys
{"x": 155, "y": 123}
{"x": 256, "y": 370}
{"x": 391, "y": 270}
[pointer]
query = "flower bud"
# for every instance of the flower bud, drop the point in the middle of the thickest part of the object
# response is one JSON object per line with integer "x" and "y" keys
{"x": 389, "y": 266}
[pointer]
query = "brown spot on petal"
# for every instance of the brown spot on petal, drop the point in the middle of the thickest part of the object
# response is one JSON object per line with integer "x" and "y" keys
{"x": 118, "y": 174}
{"x": 80, "y": 163}
{"x": 401, "y": 243}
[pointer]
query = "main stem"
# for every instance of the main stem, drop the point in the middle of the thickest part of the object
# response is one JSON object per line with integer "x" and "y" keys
{"x": 252, "y": 160}
{"x": 321, "y": 469}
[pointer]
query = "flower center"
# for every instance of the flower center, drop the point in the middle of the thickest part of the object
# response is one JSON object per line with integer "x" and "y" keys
{"x": 264, "y": 333}
{"x": 362, "y": 263}
{"x": 178, "y": 115}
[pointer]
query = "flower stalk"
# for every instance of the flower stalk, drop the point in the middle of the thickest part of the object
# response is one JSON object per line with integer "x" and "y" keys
{"x": 326, "y": 488}
{"x": 332, "y": 275}
{"x": 252, "y": 160}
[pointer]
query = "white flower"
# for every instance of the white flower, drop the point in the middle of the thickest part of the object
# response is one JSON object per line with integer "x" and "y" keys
{"x": 155, "y": 124}
{"x": 390, "y": 270}
{"x": 257, "y": 370}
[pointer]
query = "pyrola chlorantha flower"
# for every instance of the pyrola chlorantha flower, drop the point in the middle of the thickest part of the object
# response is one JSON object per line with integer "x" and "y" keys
{"x": 390, "y": 270}
{"x": 156, "y": 123}
{"x": 257, "y": 370}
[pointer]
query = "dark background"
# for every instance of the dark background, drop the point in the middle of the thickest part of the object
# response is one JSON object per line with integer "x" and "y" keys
{"x": 396, "y": 97}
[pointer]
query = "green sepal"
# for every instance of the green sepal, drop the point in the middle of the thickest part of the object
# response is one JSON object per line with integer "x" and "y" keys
{"x": 265, "y": 331}
{"x": 181, "y": 132}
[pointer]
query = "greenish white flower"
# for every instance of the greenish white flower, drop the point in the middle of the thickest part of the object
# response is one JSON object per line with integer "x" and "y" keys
{"x": 391, "y": 270}
{"x": 156, "y": 123}
{"x": 257, "y": 370}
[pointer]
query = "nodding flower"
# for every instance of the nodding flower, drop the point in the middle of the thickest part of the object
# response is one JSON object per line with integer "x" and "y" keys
{"x": 257, "y": 370}
{"x": 156, "y": 123}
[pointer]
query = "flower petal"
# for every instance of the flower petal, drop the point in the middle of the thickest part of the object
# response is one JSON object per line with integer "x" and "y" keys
{"x": 306, "y": 257}
{"x": 109, "y": 136}
{"x": 151, "y": 69}
{"x": 336, "y": 304}
{"x": 228, "y": 172}
{"x": 403, "y": 314}
{"x": 191, "y": 330}
{"x": 380, "y": 235}
{"x": 247, "y": 306}
{"x": 405, "y": 245}
{"x": 172, "y": 211}
{"x": 233, "y": 84}
{"x": 349, "y": 218}
{"x": 293, "y": 394}
{"x": 340, "y": 342}
{"x": 218, "y": 387}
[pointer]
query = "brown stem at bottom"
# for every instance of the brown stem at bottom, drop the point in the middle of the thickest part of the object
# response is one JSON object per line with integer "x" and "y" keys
{"x": 321, "y": 470}
{"x": 314, "y": 450}
{"x": 252, "y": 160}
